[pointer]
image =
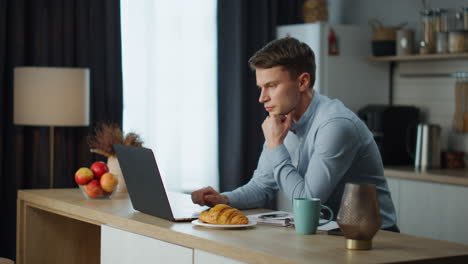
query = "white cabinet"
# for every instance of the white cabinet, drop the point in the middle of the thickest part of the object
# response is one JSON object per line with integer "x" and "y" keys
{"x": 432, "y": 210}
{"x": 203, "y": 257}
{"x": 118, "y": 246}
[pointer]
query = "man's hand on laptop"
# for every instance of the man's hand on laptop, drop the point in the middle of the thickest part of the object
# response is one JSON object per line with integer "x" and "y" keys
{"x": 208, "y": 196}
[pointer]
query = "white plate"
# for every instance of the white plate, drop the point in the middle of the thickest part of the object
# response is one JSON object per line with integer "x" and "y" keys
{"x": 199, "y": 223}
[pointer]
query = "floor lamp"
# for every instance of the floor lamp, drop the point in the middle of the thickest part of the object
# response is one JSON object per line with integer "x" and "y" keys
{"x": 53, "y": 97}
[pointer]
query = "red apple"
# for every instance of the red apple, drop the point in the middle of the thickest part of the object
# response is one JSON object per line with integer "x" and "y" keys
{"x": 99, "y": 168}
{"x": 93, "y": 189}
{"x": 83, "y": 176}
{"x": 108, "y": 182}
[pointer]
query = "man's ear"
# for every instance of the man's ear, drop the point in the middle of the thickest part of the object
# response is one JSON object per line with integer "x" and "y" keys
{"x": 304, "y": 81}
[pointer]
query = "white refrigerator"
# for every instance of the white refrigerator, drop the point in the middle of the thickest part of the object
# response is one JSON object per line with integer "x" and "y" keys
{"x": 348, "y": 76}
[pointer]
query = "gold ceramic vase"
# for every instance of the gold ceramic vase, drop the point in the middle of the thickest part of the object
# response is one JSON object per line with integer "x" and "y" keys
{"x": 359, "y": 215}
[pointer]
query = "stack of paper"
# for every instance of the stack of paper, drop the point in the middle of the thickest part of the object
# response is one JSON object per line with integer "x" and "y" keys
{"x": 282, "y": 218}
{"x": 277, "y": 218}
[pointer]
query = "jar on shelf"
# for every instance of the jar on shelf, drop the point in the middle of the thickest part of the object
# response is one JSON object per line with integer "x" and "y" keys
{"x": 442, "y": 42}
{"x": 428, "y": 32}
{"x": 465, "y": 17}
{"x": 315, "y": 11}
{"x": 404, "y": 42}
{"x": 457, "y": 41}
{"x": 460, "y": 118}
{"x": 440, "y": 20}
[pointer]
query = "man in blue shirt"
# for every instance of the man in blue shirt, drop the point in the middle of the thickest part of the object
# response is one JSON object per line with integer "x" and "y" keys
{"x": 313, "y": 145}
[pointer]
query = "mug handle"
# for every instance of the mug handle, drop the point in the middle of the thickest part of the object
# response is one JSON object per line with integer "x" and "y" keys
{"x": 331, "y": 215}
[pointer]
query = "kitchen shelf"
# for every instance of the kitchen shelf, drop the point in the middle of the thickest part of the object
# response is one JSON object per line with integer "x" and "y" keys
{"x": 421, "y": 57}
{"x": 435, "y": 75}
{"x": 394, "y": 60}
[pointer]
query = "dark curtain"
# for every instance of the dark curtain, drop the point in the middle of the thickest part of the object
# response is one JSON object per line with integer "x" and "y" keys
{"x": 244, "y": 27}
{"x": 70, "y": 33}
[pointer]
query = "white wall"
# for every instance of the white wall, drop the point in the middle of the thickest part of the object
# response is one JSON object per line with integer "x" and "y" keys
{"x": 435, "y": 96}
{"x": 391, "y": 12}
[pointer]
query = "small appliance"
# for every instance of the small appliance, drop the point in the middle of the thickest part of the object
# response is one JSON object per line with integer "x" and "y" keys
{"x": 394, "y": 130}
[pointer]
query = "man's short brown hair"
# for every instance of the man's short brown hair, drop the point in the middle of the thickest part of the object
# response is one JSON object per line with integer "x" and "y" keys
{"x": 294, "y": 56}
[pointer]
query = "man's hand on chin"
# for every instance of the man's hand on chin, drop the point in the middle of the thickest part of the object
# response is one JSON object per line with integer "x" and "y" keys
{"x": 275, "y": 128}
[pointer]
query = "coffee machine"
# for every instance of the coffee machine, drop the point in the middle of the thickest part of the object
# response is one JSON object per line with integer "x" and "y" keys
{"x": 394, "y": 130}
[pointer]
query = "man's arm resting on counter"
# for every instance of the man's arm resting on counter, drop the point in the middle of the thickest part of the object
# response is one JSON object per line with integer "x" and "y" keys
{"x": 254, "y": 194}
{"x": 260, "y": 189}
{"x": 334, "y": 151}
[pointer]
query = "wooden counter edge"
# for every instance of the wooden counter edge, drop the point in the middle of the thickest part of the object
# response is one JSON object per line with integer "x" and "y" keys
{"x": 425, "y": 176}
{"x": 163, "y": 233}
{"x": 150, "y": 230}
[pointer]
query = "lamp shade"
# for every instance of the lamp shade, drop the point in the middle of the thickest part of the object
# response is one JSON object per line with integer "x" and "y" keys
{"x": 50, "y": 96}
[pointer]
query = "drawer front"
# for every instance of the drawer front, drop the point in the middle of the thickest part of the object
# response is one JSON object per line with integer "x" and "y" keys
{"x": 118, "y": 246}
{"x": 203, "y": 257}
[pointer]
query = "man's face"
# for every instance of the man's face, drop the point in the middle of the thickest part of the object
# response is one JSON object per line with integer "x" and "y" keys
{"x": 279, "y": 92}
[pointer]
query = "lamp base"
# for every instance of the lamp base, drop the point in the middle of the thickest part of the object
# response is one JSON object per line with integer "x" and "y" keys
{"x": 358, "y": 244}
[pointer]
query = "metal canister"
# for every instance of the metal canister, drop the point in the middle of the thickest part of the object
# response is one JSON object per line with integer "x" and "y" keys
{"x": 404, "y": 42}
{"x": 442, "y": 42}
{"x": 427, "y": 153}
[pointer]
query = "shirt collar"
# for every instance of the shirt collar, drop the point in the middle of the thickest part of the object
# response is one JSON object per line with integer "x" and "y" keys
{"x": 301, "y": 127}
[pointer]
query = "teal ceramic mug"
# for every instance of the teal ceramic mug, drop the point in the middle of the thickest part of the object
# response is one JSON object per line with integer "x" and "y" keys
{"x": 307, "y": 214}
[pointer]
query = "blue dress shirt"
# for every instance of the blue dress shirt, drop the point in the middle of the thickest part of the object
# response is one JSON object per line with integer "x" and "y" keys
{"x": 328, "y": 147}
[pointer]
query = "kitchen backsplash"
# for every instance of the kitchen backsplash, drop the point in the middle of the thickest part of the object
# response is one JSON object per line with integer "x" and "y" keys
{"x": 434, "y": 96}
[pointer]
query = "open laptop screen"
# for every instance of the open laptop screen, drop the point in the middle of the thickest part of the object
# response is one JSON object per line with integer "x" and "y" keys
{"x": 144, "y": 184}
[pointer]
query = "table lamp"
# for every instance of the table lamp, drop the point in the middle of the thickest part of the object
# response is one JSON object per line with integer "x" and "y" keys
{"x": 51, "y": 96}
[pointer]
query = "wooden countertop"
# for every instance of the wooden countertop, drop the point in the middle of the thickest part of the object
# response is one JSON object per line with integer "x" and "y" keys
{"x": 258, "y": 244}
{"x": 446, "y": 176}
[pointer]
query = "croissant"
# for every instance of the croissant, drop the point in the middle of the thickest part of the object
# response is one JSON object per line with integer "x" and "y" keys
{"x": 223, "y": 214}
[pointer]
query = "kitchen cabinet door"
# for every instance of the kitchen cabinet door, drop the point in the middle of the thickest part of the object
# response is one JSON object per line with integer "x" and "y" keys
{"x": 457, "y": 203}
{"x": 118, "y": 246}
{"x": 433, "y": 210}
{"x": 423, "y": 209}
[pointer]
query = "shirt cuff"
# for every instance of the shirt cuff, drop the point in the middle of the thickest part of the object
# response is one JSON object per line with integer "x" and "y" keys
{"x": 233, "y": 198}
{"x": 277, "y": 155}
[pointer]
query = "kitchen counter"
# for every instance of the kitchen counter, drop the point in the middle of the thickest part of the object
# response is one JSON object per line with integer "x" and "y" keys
{"x": 445, "y": 176}
{"x": 61, "y": 226}
{"x": 430, "y": 203}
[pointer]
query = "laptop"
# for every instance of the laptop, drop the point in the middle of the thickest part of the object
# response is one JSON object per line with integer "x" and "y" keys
{"x": 146, "y": 188}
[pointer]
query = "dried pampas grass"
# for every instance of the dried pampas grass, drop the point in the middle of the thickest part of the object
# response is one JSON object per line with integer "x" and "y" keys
{"x": 108, "y": 134}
